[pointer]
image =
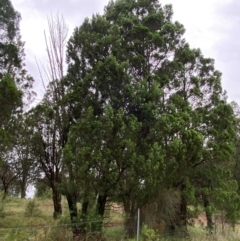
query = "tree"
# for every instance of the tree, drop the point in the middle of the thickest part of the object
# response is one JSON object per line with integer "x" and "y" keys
{"x": 49, "y": 118}
{"x": 18, "y": 167}
{"x": 24, "y": 155}
{"x": 47, "y": 149}
{"x": 15, "y": 87}
{"x": 236, "y": 109}
{"x": 10, "y": 100}
{"x": 149, "y": 112}
{"x": 9, "y": 51}
{"x": 12, "y": 50}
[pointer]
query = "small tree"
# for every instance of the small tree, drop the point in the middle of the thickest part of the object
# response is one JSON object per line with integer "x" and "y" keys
{"x": 49, "y": 117}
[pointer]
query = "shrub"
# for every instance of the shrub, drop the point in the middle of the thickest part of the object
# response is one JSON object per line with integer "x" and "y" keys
{"x": 32, "y": 209}
{"x": 148, "y": 234}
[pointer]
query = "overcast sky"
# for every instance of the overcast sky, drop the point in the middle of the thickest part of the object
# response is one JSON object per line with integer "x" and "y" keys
{"x": 211, "y": 25}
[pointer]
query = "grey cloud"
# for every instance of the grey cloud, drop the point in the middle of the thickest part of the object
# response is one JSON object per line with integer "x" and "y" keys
{"x": 227, "y": 48}
{"x": 230, "y": 10}
{"x": 73, "y": 10}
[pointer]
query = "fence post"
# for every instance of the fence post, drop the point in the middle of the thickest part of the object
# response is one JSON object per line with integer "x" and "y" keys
{"x": 138, "y": 224}
{"x": 215, "y": 224}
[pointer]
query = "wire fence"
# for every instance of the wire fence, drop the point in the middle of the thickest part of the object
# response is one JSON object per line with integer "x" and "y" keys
{"x": 111, "y": 231}
{"x": 115, "y": 226}
{"x": 63, "y": 232}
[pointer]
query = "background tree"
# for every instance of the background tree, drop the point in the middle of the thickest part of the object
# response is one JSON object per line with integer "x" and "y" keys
{"x": 12, "y": 50}
{"x": 10, "y": 100}
{"x": 236, "y": 109}
{"x": 9, "y": 37}
{"x": 19, "y": 168}
{"x": 15, "y": 85}
{"x": 49, "y": 117}
{"x": 47, "y": 149}
{"x": 23, "y": 150}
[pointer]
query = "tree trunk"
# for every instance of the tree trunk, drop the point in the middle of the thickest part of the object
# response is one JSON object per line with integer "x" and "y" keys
{"x": 5, "y": 190}
{"x": 72, "y": 206}
{"x": 101, "y": 204}
{"x": 57, "y": 198}
{"x": 178, "y": 225}
{"x": 24, "y": 178}
{"x": 183, "y": 217}
{"x": 23, "y": 193}
{"x": 83, "y": 217}
{"x": 84, "y": 210}
{"x": 23, "y": 190}
{"x": 5, "y": 193}
{"x": 130, "y": 208}
{"x": 85, "y": 205}
{"x": 208, "y": 213}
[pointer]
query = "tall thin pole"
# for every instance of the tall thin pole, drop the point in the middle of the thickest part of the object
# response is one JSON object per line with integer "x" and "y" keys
{"x": 138, "y": 224}
{"x": 215, "y": 223}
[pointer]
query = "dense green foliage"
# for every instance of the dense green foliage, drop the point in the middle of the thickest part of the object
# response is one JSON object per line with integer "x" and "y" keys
{"x": 149, "y": 111}
{"x": 9, "y": 25}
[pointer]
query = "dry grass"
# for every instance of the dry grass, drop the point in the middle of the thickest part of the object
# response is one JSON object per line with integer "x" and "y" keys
{"x": 200, "y": 234}
{"x": 16, "y": 226}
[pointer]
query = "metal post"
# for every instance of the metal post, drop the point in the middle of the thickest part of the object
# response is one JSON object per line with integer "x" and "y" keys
{"x": 215, "y": 224}
{"x": 138, "y": 224}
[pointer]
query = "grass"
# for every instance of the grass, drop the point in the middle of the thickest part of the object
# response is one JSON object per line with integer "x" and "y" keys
{"x": 40, "y": 226}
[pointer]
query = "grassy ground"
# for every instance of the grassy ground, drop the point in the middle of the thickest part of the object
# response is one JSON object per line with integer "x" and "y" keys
{"x": 27, "y": 220}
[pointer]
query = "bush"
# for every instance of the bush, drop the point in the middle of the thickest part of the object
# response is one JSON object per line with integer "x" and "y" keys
{"x": 32, "y": 209}
{"x": 148, "y": 234}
